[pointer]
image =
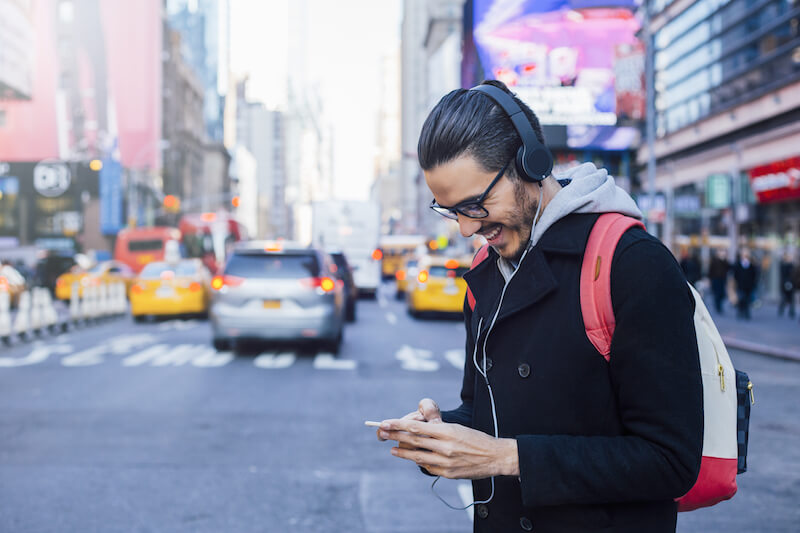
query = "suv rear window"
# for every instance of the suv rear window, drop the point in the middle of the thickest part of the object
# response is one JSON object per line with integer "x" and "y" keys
{"x": 279, "y": 265}
{"x": 145, "y": 245}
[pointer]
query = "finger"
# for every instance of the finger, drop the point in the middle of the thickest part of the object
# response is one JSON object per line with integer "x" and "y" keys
{"x": 414, "y": 415}
{"x": 429, "y": 410}
{"x": 411, "y": 441}
{"x": 436, "y": 430}
{"x": 421, "y": 457}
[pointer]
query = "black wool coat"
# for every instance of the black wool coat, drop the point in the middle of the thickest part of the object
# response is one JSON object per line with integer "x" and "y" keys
{"x": 603, "y": 446}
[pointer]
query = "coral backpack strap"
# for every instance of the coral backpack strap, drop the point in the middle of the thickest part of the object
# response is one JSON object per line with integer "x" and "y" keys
{"x": 598, "y": 313}
{"x": 482, "y": 254}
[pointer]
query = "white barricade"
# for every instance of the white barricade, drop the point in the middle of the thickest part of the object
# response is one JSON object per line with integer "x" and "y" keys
{"x": 74, "y": 304}
{"x": 5, "y": 315}
{"x": 87, "y": 305}
{"x": 49, "y": 313}
{"x": 22, "y": 322}
{"x": 102, "y": 300}
{"x": 121, "y": 299}
{"x": 36, "y": 310}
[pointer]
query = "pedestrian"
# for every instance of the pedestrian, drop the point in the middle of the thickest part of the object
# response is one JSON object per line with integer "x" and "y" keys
{"x": 718, "y": 274}
{"x": 745, "y": 273}
{"x": 554, "y": 437}
{"x": 787, "y": 272}
{"x": 690, "y": 265}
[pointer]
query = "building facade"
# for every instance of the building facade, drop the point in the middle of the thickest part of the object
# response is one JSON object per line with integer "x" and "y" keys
{"x": 727, "y": 108}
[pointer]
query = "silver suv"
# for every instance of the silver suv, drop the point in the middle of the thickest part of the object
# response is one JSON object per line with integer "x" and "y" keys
{"x": 278, "y": 292}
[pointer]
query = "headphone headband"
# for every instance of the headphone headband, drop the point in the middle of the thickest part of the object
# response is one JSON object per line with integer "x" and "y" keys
{"x": 534, "y": 161}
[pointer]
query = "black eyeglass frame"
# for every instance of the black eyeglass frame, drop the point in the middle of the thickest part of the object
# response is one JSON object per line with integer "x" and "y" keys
{"x": 476, "y": 204}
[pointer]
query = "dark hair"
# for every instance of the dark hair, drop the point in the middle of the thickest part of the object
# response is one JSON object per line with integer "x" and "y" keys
{"x": 470, "y": 123}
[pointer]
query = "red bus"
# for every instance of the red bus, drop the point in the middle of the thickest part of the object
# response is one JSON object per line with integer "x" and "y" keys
{"x": 210, "y": 237}
{"x": 138, "y": 246}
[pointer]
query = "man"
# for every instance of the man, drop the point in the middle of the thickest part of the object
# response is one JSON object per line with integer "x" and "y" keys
{"x": 554, "y": 437}
{"x": 745, "y": 273}
{"x": 718, "y": 274}
{"x": 787, "y": 272}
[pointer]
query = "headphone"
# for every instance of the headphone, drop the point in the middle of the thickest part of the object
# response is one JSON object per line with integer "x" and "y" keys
{"x": 534, "y": 162}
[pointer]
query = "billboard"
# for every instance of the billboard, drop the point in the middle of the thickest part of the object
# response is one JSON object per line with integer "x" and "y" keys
{"x": 94, "y": 69}
{"x": 16, "y": 44}
{"x": 576, "y": 63}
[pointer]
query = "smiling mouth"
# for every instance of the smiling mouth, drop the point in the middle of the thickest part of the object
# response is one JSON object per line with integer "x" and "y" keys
{"x": 492, "y": 232}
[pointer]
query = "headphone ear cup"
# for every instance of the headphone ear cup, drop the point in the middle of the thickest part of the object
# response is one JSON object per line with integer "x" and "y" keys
{"x": 537, "y": 163}
{"x": 519, "y": 162}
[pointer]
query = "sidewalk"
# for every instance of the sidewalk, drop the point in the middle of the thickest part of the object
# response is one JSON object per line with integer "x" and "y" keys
{"x": 765, "y": 333}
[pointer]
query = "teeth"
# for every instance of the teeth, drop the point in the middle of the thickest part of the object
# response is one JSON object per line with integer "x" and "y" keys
{"x": 492, "y": 235}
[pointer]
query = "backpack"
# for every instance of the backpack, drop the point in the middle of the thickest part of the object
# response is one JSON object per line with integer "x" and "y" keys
{"x": 726, "y": 409}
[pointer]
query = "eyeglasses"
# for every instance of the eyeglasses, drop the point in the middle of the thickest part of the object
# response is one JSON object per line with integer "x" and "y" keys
{"x": 469, "y": 208}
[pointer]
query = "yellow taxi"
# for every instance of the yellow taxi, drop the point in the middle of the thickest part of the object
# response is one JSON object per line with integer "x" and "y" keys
{"x": 12, "y": 282}
{"x": 439, "y": 285}
{"x": 171, "y": 288}
{"x": 408, "y": 271}
{"x": 102, "y": 272}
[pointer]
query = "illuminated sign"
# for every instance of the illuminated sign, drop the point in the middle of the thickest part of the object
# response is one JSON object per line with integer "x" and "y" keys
{"x": 576, "y": 63}
{"x": 776, "y": 181}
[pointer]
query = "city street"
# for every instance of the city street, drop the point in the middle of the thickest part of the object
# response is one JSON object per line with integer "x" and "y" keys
{"x": 144, "y": 427}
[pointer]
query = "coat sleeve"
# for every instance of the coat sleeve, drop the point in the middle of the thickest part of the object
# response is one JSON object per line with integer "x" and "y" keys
{"x": 655, "y": 374}
{"x": 463, "y": 413}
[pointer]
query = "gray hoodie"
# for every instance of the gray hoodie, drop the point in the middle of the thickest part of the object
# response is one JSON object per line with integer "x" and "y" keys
{"x": 591, "y": 190}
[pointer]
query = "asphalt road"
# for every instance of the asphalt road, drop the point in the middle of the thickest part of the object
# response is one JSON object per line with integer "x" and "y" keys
{"x": 144, "y": 427}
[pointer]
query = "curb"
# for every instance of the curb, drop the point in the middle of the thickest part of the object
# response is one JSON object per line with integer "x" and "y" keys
{"x": 763, "y": 349}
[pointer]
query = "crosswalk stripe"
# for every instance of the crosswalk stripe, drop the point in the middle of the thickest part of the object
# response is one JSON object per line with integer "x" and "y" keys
{"x": 391, "y": 318}
{"x": 455, "y": 357}
{"x": 271, "y": 360}
{"x": 146, "y": 355}
{"x": 465, "y": 493}
{"x": 179, "y": 356}
{"x": 326, "y": 361}
{"x": 209, "y": 358}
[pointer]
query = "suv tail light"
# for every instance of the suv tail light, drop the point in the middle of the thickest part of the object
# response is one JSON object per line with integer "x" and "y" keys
{"x": 218, "y": 282}
{"x": 137, "y": 289}
{"x": 326, "y": 283}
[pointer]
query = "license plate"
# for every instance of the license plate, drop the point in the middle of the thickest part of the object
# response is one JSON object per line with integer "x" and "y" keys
{"x": 272, "y": 304}
{"x": 165, "y": 292}
{"x": 451, "y": 290}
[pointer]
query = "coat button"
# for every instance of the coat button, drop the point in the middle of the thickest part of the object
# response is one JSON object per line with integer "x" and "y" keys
{"x": 525, "y": 524}
{"x": 524, "y": 370}
{"x": 482, "y": 510}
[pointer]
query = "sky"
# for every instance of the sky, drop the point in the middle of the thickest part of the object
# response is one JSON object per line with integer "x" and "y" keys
{"x": 346, "y": 40}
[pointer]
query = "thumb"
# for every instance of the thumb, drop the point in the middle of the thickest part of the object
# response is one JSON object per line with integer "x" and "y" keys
{"x": 430, "y": 410}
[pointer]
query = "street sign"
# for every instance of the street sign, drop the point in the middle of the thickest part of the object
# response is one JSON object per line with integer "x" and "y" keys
{"x": 718, "y": 191}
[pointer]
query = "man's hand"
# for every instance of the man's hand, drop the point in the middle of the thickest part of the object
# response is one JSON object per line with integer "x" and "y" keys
{"x": 427, "y": 411}
{"x": 451, "y": 450}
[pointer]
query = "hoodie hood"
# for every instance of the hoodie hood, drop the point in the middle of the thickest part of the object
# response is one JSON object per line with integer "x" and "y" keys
{"x": 589, "y": 190}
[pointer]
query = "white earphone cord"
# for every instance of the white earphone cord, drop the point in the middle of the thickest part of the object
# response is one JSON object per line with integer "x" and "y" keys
{"x": 483, "y": 372}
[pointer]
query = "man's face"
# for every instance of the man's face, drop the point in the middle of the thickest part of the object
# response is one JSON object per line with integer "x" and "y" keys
{"x": 510, "y": 204}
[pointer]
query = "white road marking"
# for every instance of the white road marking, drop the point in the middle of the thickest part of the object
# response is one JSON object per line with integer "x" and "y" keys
{"x": 88, "y": 357}
{"x": 382, "y": 301}
{"x": 465, "y": 493}
{"x": 145, "y": 355}
{"x": 416, "y": 359}
{"x": 117, "y": 346}
{"x": 212, "y": 358}
{"x": 272, "y": 361}
{"x": 391, "y": 318}
{"x": 177, "y": 325}
{"x": 178, "y": 356}
{"x": 37, "y": 355}
{"x": 326, "y": 361}
{"x": 456, "y": 358}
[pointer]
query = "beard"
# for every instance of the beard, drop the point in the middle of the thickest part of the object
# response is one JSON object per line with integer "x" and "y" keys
{"x": 520, "y": 220}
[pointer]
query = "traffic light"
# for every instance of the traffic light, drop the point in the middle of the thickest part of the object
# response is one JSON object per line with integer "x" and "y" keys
{"x": 235, "y": 201}
{"x": 172, "y": 203}
{"x": 96, "y": 165}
